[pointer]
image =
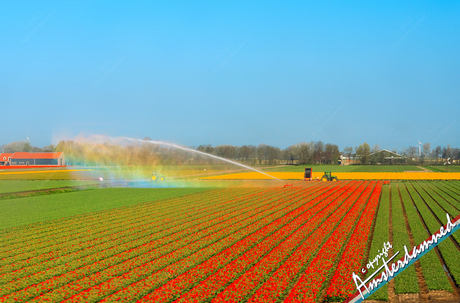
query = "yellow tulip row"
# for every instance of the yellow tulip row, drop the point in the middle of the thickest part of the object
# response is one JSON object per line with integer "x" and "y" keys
{"x": 341, "y": 176}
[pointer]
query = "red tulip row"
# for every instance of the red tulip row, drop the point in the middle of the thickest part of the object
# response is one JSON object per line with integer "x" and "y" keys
{"x": 253, "y": 276}
{"x": 134, "y": 256}
{"x": 310, "y": 283}
{"x": 279, "y": 232}
{"x": 280, "y": 281}
{"x": 42, "y": 231}
{"x": 167, "y": 265}
{"x": 342, "y": 285}
{"x": 75, "y": 268}
{"x": 85, "y": 255}
{"x": 59, "y": 235}
{"x": 139, "y": 280}
{"x": 77, "y": 250}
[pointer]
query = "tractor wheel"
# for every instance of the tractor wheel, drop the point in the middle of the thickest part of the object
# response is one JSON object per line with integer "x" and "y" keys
{"x": 154, "y": 178}
{"x": 334, "y": 179}
{"x": 162, "y": 178}
{"x": 324, "y": 178}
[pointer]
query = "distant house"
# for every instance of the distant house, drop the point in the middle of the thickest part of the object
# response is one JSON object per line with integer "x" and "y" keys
{"x": 32, "y": 159}
{"x": 385, "y": 156}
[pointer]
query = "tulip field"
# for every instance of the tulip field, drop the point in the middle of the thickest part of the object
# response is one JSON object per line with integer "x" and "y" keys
{"x": 298, "y": 243}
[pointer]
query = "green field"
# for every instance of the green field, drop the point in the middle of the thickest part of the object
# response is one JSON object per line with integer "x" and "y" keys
{"x": 11, "y": 186}
{"x": 22, "y": 211}
{"x": 442, "y": 168}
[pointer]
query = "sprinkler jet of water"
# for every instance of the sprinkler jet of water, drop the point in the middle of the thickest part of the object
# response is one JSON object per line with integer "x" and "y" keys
{"x": 198, "y": 152}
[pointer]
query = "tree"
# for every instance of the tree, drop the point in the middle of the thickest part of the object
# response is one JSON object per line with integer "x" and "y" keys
{"x": 246, "y": 152}
{"x": 27, "y": 147}
{"x": 366, "y": 152}
{"x": 426, "y": 148}
{"x": 426, "y": 151}
{"x": 16, "y": 146}
{"x": 412, "y": 152}
{"x": 226, "y": 151}
{"x": 360, "y": 154}
{"x": 348, "y": 151}
{"x": 318, "y": 150}
{"x": 376, "y": 148}
{"x": 261, "y": 153}
{"x": 289, "y": 154}
{"x": 273, "y": 153}
{"x": 436, "y": 153}
{"x": 48, "y": 149}
{"x": 304, "y": 153}
{"x": 206, "y": 149}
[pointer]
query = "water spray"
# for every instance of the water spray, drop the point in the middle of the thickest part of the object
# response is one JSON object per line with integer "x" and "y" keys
{"x": 198, "y": 152}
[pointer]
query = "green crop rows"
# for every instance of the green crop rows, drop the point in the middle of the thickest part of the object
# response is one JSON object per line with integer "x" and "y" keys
{"x": 28, "y": 210}
{"x": 381, "y": 235}
{"x": 406, "y": 282}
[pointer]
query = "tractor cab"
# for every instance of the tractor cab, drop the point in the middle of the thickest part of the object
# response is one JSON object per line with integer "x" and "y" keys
{"x": 308, "y": 175}
{"x": 327, "y": 177}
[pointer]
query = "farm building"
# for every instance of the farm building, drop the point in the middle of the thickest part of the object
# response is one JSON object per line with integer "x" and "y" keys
{"x": 385, "y": 156}
{"x": 32, "y": 159}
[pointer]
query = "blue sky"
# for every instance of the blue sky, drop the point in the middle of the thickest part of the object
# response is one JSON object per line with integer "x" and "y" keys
{"x": 221, "y": 72}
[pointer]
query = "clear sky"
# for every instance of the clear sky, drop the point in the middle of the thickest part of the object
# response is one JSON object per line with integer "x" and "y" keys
{"x": 232, "y": 72}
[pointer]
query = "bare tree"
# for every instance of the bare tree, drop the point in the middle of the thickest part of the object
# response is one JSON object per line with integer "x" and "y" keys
{"x": 273, "y": 153}
{"x": 412, "y": 152}
{"x": 426, "y": 151}
{"x": 348, "y": 151}
{"x": 318, "y": 150}
{"x": 305, "y": 153}
{"x": 245, "y": 152}
{"x": 289, "y": 154}
{"x": 376, "y": 148}
{"x": 226, "y": 151}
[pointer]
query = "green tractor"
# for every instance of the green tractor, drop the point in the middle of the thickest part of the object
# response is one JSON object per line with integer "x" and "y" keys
{"x": 157, "y": 177}
{"x": 327, "y": 177}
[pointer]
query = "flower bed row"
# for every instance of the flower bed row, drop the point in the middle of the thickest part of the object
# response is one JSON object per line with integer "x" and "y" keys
{"x": 160, "y": 269}
{"x": 137, "y": 254}
{"x": 146, "y": 226}
{"x": 274, "y": 275}
{"x": 73, "y": 228}
{"x": 220, "y": 264}
{"x": 342, "y": 285}
{"x": 309, "y": 285}
{"x": 95, "y": 262}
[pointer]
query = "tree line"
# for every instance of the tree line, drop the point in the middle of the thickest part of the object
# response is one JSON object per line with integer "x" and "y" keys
{"x": 314, "y": 152}
{"x": 422, "y": 154}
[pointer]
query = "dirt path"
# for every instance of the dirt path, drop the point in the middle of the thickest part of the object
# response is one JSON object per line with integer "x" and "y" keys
{"x": 424, "y": 169}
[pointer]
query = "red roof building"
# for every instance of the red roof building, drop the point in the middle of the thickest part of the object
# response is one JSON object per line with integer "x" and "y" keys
{"x": 33, "y": 159}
